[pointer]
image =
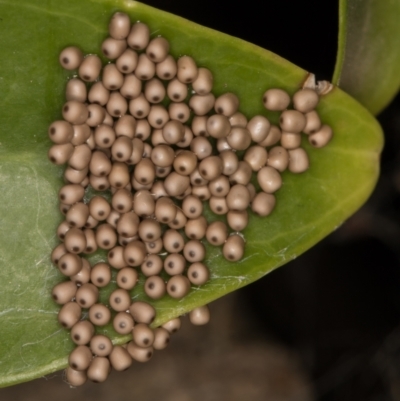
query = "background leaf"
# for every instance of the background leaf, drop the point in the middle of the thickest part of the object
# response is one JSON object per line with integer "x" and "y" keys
{"x": 309, "y": 206}
{"x": 368, "y": 59}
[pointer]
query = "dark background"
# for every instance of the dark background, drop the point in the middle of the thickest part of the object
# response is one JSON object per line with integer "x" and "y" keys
{"x": 337, "y": 305}
{"x": 323, "y": 327}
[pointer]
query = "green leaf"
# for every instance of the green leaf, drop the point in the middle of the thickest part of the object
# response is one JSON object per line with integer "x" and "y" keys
{"x": 368, "y": 58}
{"x": 309, "y": 206}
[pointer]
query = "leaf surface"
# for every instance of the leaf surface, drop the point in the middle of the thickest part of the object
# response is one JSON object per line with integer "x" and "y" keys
{"x": 368, "y": 59}
{"x": 309, "y": 206}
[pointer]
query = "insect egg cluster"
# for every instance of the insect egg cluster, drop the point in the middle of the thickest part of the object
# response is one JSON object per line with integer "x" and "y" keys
{"x": 147, "y": 129}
